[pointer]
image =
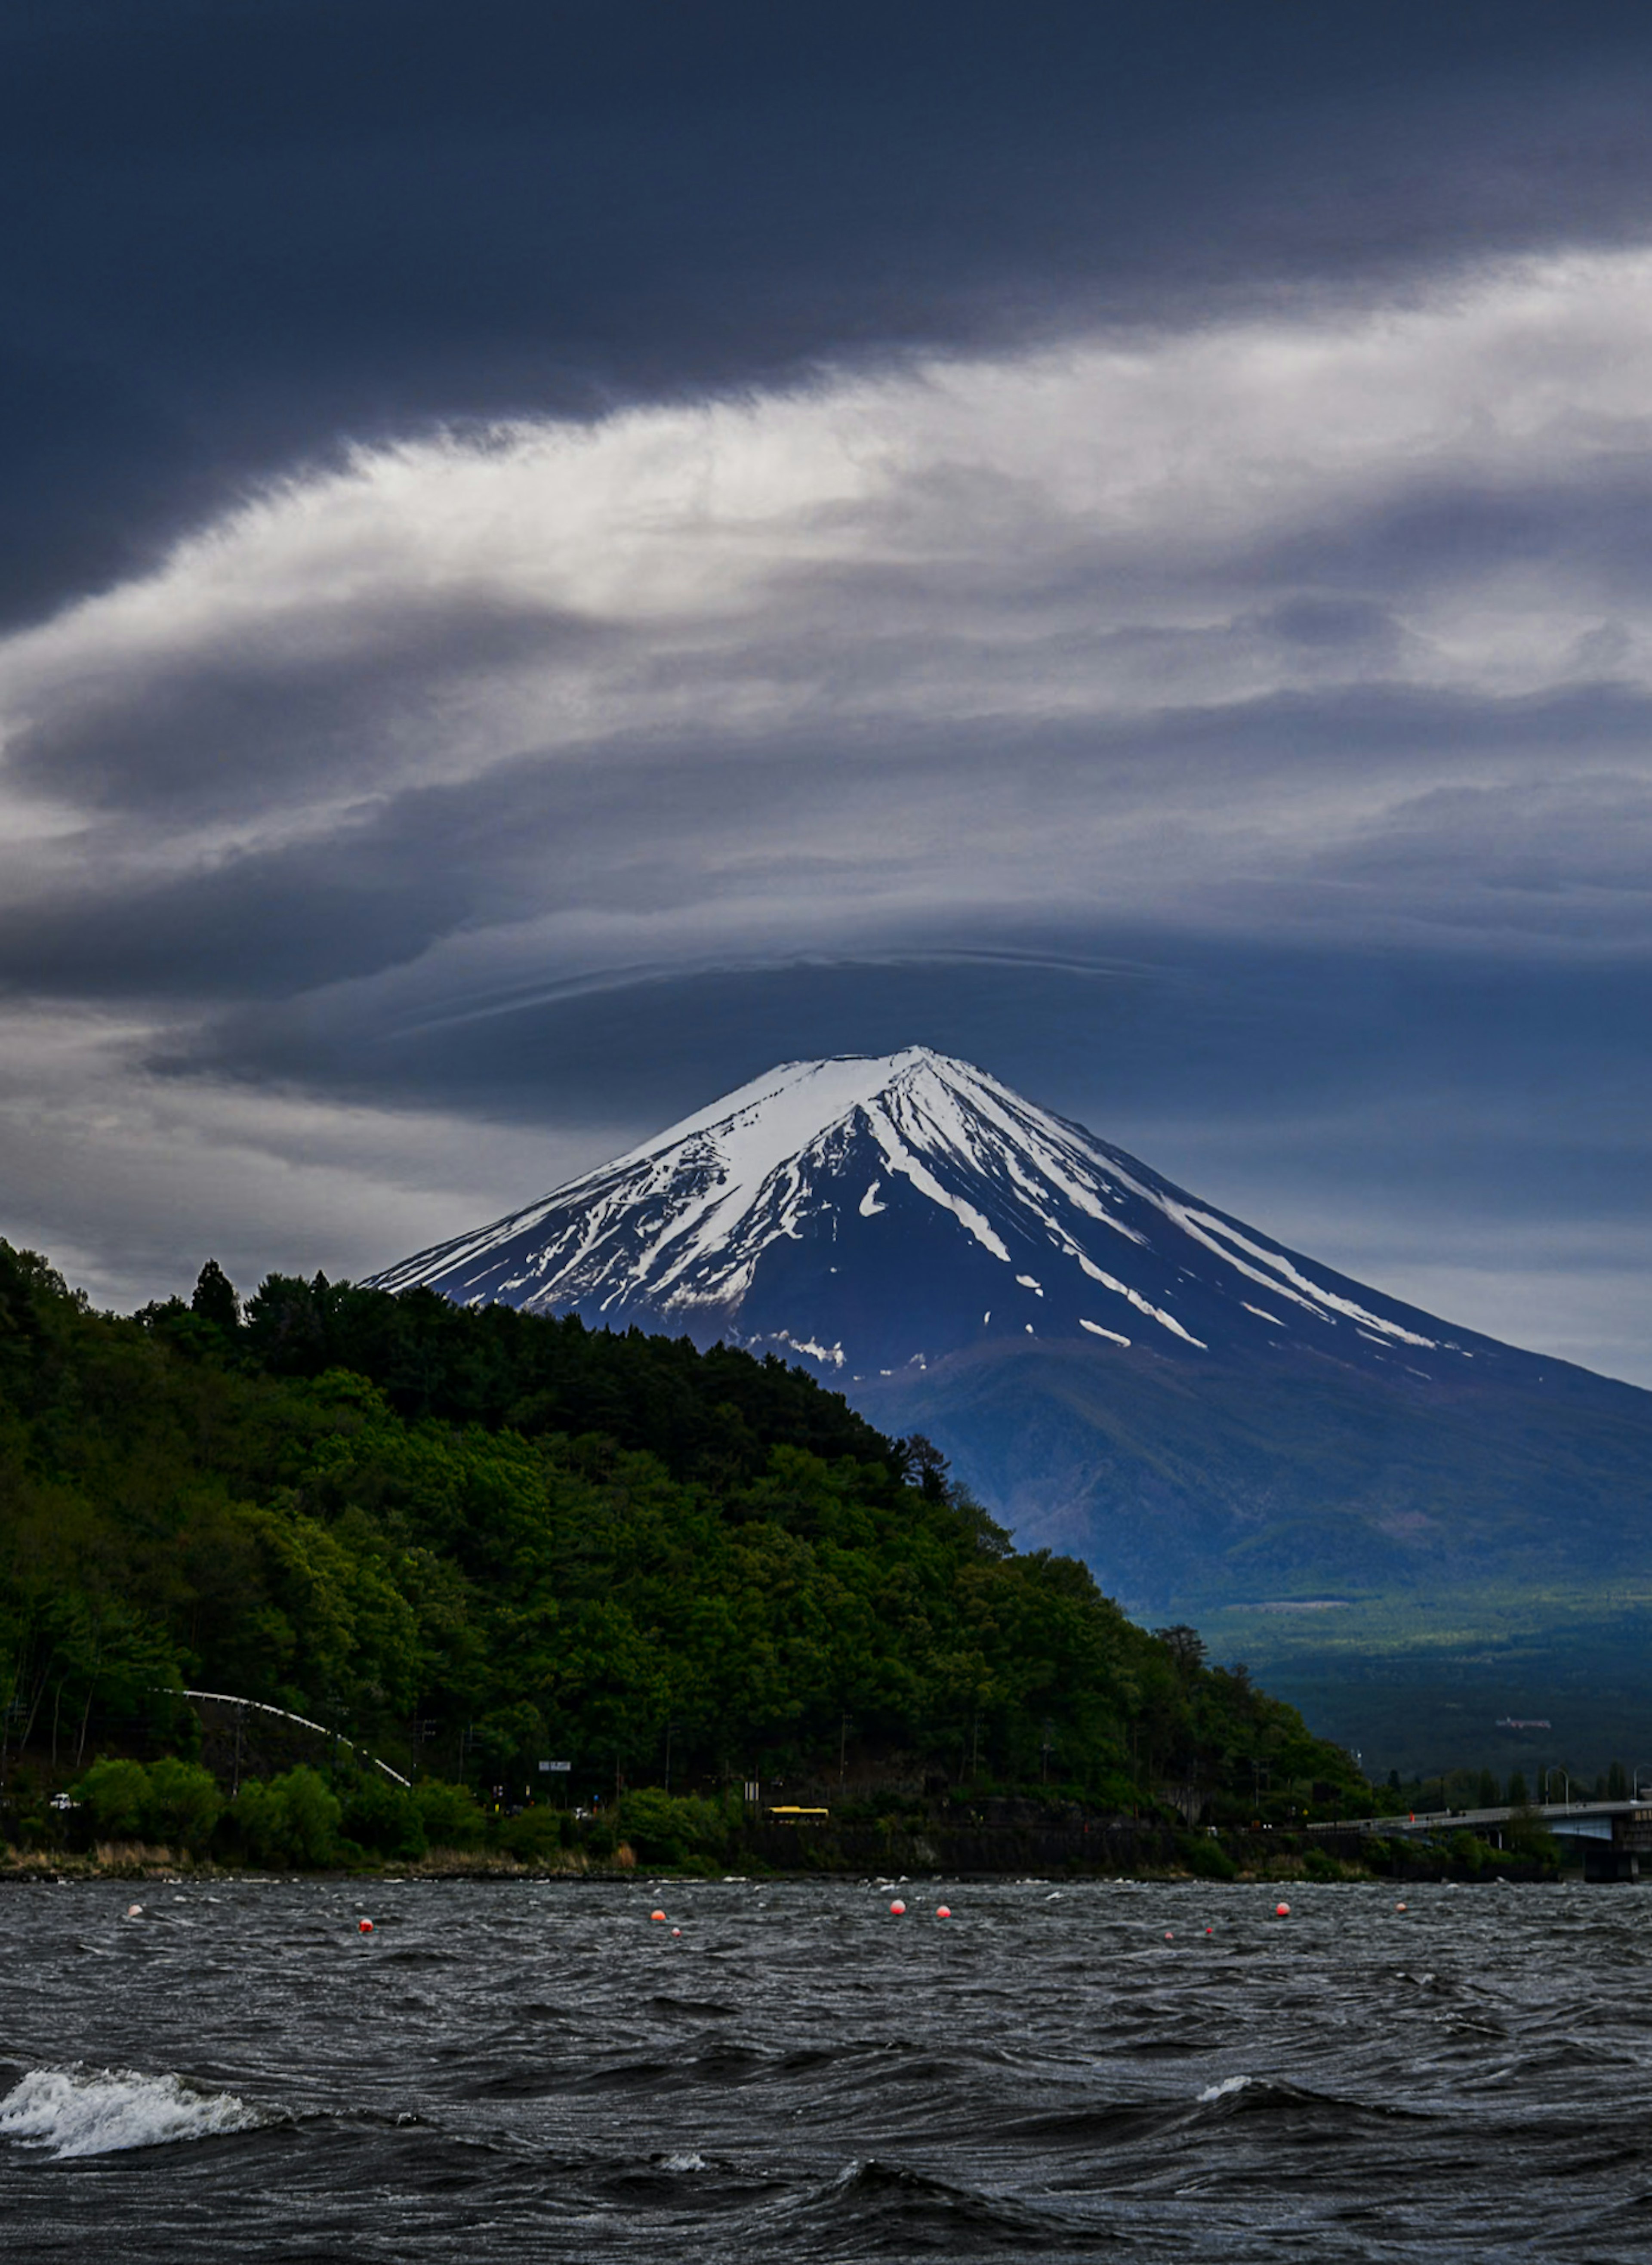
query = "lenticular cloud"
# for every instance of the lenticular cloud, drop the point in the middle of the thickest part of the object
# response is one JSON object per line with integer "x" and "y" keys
{"x": 1099, "y": 531}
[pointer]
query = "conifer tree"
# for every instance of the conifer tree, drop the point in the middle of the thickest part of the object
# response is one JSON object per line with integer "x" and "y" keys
{"x": 214, "y": 1299}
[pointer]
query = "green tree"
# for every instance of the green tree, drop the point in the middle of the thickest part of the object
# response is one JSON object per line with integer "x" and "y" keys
{"x": 214, "y": 1300}
{"x": 116, "y": 1797}
{"x": 668, "y": 1829}
{"x": 290, "y": 1820}
{"x": 534, "y": 1836}
{"x": 383, "y": 1817}
{"x": 1526, "y": 1836}
{"x": 450, "y": 1814}
{"x": 185, "y": 1803}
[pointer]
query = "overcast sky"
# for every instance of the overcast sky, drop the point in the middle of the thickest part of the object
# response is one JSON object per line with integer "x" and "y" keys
{"x": 558, "y": 554}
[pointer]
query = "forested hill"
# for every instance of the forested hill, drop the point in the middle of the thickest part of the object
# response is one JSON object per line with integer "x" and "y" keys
{"x": 474, "y": 1539}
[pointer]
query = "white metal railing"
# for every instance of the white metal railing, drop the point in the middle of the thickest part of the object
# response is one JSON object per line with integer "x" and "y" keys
{"x": 230, "y": 1698}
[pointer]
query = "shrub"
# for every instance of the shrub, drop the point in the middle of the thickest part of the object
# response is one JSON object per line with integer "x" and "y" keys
{"x": 383, "y": 1818}
{"x": 1207, "y": 1858}
{"x": 292, "y": 1819}
{"x": 534, "y": 1836}
{"x": 666, "y": 1829}
{"x": 183, "y": 1805}
{"x": 450, "y": 1815}
{"x": 1470, "y": 1851}
{"x": 1529, "y": 1837}
{"x": 115, "y": 1795}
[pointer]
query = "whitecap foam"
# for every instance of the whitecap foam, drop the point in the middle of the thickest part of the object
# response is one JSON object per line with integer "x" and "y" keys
{"x": 1228, "y": 2085}
{"x": 686, "y": 2161}
{"x": 101, "y": 2111}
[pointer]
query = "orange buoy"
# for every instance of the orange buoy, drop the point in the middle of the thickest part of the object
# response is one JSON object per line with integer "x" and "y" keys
{"x": 1401, "y": 1907}
{"x": 656, "y": 1915}
{"x": 897, "y": 1910}
{"x": 364, "y": 1927}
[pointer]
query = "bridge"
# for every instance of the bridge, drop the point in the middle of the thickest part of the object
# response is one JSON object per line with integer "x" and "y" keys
{"x": 1612, "y": 1837}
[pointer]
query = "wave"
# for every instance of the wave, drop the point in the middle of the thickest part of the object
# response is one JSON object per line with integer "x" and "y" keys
{"x": 884, "y": 2202}
{"x": 101, "y": 2111}
{"x": 1263, "y": 2095}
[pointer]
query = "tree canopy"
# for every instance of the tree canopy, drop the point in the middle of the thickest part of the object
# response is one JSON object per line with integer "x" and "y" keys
{"x": 472, "y": 1540}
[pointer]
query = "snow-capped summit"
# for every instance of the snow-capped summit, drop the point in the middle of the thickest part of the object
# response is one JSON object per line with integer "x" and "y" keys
{"x": 870, "y": 1214}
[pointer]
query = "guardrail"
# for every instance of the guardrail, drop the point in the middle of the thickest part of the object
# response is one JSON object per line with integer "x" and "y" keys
{"x": 263, "y": 1707}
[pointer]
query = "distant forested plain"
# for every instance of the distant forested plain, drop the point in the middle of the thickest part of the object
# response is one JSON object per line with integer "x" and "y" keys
{"x": 467, "y": 1542}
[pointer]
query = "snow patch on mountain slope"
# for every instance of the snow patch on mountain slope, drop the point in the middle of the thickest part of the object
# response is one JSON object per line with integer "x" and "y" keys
{"x": 1204, "y": 1228}
{"x": 741, "y": 1202}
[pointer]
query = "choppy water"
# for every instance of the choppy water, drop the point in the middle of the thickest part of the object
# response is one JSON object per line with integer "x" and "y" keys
{"x": 517, "y": 2070}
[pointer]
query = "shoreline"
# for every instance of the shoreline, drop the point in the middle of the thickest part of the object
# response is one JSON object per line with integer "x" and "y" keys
{"x": 40, "y": 1869}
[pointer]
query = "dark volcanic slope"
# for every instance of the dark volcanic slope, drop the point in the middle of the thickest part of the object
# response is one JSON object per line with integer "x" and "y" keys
{"x": 1118, "y": 1368}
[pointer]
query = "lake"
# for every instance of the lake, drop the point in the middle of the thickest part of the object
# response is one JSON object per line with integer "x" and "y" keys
{"x": 525, "y": 2070}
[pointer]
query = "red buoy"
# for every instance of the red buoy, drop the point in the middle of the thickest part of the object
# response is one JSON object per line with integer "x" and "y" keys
{"x": 364, "y": 1927}
{"x": 942, "y": 1911}
{"x": 1282, "y": 1910}
{"x": 897, "y": 1910}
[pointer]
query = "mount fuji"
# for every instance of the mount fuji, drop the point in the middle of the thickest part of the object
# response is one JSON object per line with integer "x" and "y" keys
{"x": 1118, "y": 1369}
{"x": 868, "y": 1214}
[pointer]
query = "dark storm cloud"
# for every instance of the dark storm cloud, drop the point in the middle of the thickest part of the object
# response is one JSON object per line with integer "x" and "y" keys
{"x": 236, "y": 233}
